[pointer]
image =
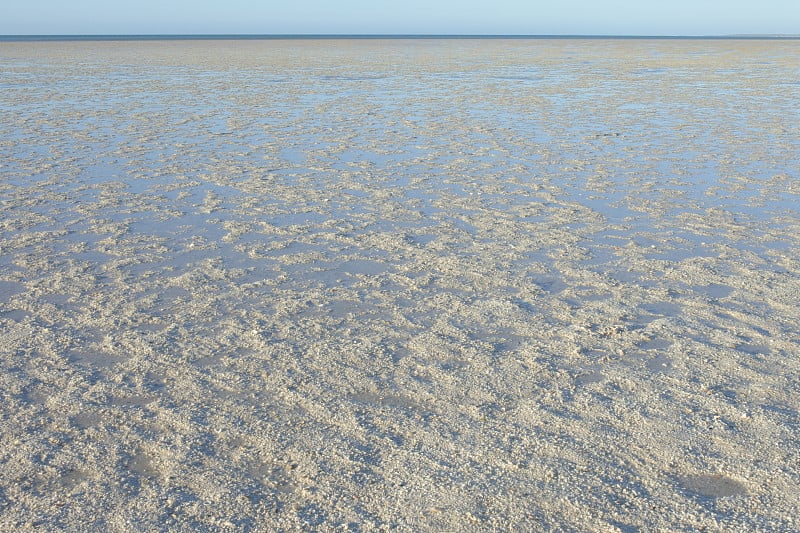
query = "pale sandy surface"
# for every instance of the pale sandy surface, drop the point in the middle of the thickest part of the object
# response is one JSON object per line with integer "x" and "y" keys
{"x": 413, "y": 285}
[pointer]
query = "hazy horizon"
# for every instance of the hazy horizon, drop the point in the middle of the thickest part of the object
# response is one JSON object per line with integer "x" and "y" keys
{"x": 234, "y": 36}
{"x": 412, "y": 17}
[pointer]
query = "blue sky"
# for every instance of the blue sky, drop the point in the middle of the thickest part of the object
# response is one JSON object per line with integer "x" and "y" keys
{"x": 623, "y": 17}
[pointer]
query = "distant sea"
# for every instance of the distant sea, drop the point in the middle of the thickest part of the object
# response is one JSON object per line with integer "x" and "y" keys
{"x": 223, "y": 37}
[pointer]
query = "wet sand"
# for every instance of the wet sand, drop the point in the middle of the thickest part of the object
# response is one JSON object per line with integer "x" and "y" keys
{"x": 426, "y": 285}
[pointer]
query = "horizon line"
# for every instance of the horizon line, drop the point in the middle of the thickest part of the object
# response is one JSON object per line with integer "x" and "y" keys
{"x": 343, "y": 36}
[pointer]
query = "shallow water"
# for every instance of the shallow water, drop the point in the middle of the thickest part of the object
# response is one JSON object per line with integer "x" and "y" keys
{"x": 424, "y": 283}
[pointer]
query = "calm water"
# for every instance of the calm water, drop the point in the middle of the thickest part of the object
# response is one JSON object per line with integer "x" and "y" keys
{"x": 642, "y": 133}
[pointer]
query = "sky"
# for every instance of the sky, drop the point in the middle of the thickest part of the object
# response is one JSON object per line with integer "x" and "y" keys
{"x": 529, "y": 17}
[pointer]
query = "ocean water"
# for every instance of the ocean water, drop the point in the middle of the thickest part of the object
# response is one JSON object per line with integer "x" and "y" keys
{"x": 425, "y": 283}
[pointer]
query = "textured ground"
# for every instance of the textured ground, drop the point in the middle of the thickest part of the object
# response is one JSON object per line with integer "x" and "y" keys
{"x": 414, "y": 285}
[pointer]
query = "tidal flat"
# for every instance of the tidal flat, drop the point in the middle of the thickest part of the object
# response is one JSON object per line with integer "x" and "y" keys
{"x": 413, "y": 285}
